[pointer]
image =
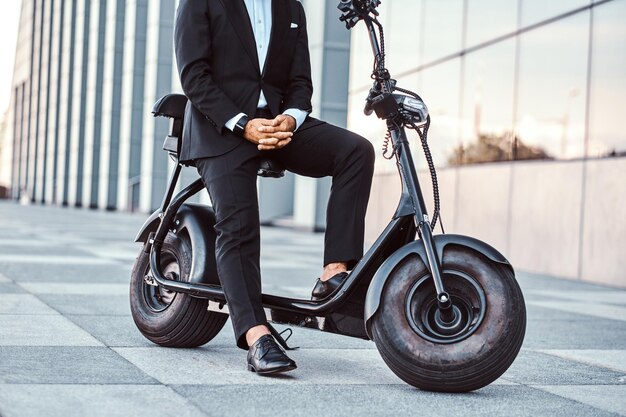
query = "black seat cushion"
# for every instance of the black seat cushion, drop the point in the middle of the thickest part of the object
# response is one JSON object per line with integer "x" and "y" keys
{"x": 171, "y": 105}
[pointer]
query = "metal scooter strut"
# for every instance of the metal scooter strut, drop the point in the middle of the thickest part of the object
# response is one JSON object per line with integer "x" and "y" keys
{"x": 409, "y": 176}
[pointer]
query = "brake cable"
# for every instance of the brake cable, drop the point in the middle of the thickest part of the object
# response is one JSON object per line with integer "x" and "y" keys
{"x": 380, "y": 74}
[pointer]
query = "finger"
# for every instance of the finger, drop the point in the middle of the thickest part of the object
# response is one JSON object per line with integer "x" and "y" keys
{"x": 282, "y": 135}
{"x": 269, "y": 129}
{"x": 269, "y": 141}
{"x": 265, "y": 148}
{"x": 283, "y": 143}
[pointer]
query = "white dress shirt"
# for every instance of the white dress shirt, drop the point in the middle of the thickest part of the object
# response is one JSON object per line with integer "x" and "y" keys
{"x": 260, "y": 12}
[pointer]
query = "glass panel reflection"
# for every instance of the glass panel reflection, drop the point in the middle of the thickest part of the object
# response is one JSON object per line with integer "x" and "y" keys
{"x": 488, "y": 19}
{"x": 439, "y": 87}
{"x": 552, "y": 84}
{"x": 402, "y": 21}
{"x": 361, "y": 59}
{"x": 534, "y": 11}
{"x": 487, "y": 123}
{"x": 608, "y": 81}
{"x": 443, "y": 23}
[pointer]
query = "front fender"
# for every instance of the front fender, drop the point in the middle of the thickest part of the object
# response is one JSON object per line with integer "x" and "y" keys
{"x": 150, "y": 225}
{"x": 375, "y": 290}
{"x": 196, "y": 221}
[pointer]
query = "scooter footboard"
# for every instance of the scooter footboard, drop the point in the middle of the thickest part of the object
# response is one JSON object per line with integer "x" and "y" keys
{"x": 375, "y": 290}
{"x": 195, "y": 222}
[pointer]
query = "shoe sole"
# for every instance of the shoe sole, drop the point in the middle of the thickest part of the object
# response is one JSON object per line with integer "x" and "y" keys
{"x": 273, "y": 371}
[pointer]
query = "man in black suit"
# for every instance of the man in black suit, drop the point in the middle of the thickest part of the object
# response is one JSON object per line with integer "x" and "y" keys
{"x": 244, "y": 65}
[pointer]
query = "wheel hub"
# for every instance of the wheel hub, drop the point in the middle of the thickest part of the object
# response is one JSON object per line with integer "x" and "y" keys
{"x": 159, "y": 298}
{"x": 468, "y": 308}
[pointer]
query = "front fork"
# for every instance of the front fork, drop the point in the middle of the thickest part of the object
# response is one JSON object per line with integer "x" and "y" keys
{"x": 412, "y": 194}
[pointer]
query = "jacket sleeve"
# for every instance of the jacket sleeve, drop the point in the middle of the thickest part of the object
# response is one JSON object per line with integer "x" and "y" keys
{"x": 300, "y": 89}
{"x": 192, "y": 45}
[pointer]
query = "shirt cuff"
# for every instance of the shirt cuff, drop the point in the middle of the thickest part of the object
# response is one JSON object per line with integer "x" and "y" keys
{"x": 299, "y": 115}
{"x": 230, "y": 125}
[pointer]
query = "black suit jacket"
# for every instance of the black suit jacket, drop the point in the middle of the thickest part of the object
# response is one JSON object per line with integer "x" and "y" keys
{"x": 219, "y": 69}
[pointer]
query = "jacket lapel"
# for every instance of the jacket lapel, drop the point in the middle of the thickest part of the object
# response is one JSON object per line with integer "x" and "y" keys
{"x": 281, "y": 22}
{"x": 239, "y": 18}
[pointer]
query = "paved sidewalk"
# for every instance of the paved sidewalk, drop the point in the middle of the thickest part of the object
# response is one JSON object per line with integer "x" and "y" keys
{"x": 68, "y": 346}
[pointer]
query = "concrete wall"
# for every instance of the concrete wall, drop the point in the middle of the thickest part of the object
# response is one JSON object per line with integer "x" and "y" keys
{"x": 558, "y": 218}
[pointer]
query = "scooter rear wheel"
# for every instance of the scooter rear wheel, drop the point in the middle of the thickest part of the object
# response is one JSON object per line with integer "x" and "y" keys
{"x": 465, "y": 354}
{"x": 165, "y": 317}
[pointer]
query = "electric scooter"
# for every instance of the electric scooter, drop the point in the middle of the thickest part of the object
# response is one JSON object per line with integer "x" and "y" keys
{"x": 444, "y": 310}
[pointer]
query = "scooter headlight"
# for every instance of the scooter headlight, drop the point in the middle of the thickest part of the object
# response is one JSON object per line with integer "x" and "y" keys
{"x": 412, "y": 108}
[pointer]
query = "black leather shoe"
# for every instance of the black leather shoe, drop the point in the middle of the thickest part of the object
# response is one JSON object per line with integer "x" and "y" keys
{"x": 323, "y": 289}
{"x": 266, "y": 357}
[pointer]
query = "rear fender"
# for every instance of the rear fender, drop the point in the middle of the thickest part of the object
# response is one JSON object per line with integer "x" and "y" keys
{"x": 375, "y": 290}
{"x": 196, "y": 221}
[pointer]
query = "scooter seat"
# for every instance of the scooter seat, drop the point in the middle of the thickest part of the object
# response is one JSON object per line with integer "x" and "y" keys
{"x": 270, "y": 168}
{"x": 170, "y": 105}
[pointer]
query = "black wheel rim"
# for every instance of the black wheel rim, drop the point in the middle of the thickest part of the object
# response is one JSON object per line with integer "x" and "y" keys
{"x": 159, "y": 299}
{"x": 468, "y": 303}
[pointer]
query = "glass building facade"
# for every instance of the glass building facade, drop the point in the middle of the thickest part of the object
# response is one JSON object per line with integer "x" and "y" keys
{"x": 83, "y": 83}
{"x": 87, "y": 73}
{"x": 505, "y": 80}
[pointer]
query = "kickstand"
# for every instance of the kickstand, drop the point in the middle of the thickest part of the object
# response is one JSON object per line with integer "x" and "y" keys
{"x": 279, "y": 337}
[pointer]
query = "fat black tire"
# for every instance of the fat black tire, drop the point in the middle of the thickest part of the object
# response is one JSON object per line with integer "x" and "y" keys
{"x": 184, "y": 321}
{"x": 460, "y": 366}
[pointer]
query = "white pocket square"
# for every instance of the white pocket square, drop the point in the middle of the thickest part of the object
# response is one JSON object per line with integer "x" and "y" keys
{"x": 294, "y": 26}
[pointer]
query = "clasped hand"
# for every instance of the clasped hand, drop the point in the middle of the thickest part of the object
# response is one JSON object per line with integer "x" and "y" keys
{"x": 269, "y": 134}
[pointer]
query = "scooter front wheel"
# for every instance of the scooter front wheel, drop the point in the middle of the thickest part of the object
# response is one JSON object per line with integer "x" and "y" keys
{"x": 165, "y": 317}
{"x": 459, "y": 355}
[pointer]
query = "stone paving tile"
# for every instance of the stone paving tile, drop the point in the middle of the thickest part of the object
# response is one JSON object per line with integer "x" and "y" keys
{"x": 220, "y": 366}
{"x": 604, "y": 311}
{"x": 380, "y": 401}
{"x": 529, "y": 280}
{"x": 535, "y": 312}
{"x": 11, "y": 251}
{"x": 67, "y": 273}
{"x": 58, "y": 259}
{"x": 557, "y": 334}
{"x": 94, "y": 401}
{"x": 10, "y": 288}
{"x": 67, "y": 365}
{"x": 535, "y": 368}
{"x": 609, "y": 297}
{"x": 42, "y": 330}
{"x": 113, "y": 330}
{"x": 112, "y": 305}
{"x": 101, "y": 289}
{"x": 228, "y": 366}
{"x": 611, "y": 359}
{"x": 610, "y": 398}
{"x": 27, "y": 244}
{"x": 114, "y": 251}
{"x": 23, "y": 304}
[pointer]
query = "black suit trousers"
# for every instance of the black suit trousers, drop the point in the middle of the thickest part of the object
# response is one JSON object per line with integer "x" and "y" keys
{"x": 317, "y": 149}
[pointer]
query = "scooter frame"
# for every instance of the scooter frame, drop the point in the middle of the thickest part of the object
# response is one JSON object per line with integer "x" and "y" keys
{"x": 350, "y": 309}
